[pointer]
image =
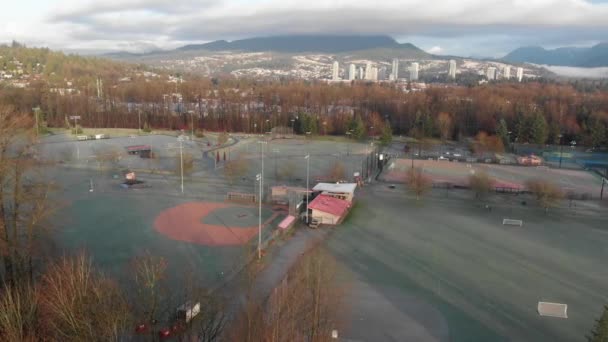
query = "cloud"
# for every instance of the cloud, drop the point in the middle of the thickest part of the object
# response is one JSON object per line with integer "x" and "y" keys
{"x": 435, "y": 50}
{"x": 161, "y": 22}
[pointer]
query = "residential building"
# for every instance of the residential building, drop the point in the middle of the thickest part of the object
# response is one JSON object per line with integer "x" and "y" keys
{"x": 352, "y": 72}
{"x": 414, "y": 71}
{"x": 491, "y": 73}
{"x": 395, "y": 70}
{"x": 520, "y": 74}
{"x": 361, "y": 73}
{"x": 368, "y": 71}
{"x": 335, "y": 71}
{"x": 452, "y": 70}
{"x": 506, "y": 72}
{"x": 382, "y": 74}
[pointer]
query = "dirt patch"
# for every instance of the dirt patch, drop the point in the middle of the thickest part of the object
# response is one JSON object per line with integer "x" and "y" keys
{"x": 185, "y": 222}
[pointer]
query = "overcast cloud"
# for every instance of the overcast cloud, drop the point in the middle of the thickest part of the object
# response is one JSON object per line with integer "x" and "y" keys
{"x": 464, "y": 27}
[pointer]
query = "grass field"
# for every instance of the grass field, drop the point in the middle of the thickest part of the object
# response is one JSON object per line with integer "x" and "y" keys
{"x": 485, "y": 279}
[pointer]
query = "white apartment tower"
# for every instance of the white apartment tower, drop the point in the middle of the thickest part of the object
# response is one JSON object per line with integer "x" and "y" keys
{"x": 395, "y": 69}
{"x": 491, "y": 73}
{"x": 352, "y": 72}
{"x": 520, "y": 74}
{"x": 414, "y": 71}
{"x": 368, "y": 71}
{"x": 335, "y": 71}
{"x": 452, "y": 70}
{"x": 506, "y": 72}
{"x": 374, "y": 73}
{"x": 361, "y": 73}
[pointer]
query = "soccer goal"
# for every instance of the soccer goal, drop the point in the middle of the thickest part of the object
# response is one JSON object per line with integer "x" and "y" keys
{"x": 511, "y": 222}
{"x": 553, "y": 309}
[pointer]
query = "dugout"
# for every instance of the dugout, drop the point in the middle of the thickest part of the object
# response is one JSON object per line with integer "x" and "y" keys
{"x": 143, "y": 151}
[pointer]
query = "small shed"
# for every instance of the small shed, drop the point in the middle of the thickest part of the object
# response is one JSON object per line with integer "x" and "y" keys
{"x": 344, "y": 191}
{"x": 328, "y": 209}
{"x": 143, "y": 151}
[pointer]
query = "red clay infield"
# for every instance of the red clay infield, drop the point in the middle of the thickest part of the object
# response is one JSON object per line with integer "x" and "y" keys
{"x": 184, "y": 223}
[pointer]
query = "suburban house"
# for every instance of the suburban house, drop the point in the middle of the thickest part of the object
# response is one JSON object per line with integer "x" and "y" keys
{"x": 326, "y": 209}
{"x": 344, "y": 191}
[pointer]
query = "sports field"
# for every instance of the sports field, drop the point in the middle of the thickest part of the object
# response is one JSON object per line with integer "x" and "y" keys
{"x": 578, "y": 181}
{"x": 447, "y": 270}
{"x": 197, "y": 233}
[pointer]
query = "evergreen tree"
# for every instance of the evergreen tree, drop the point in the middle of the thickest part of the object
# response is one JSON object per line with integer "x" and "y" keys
{"x": 357, "y": 128}
{"x": 600, "y": 330}
{"x": 387, "y": 135}
{"x": 538, "y": 128}
{"x": 597, "y": 132}
{"x": 503, "y": 132}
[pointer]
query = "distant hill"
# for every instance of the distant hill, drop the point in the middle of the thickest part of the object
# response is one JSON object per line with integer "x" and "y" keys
{"x": 304, "y": 43}
{"x": 596, "y": 56}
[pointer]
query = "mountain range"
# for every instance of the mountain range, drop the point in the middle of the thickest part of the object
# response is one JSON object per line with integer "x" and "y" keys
{"x": 294, "y": 44}
{"x": 596, "y": 56}
{"x": 304, "y": 43}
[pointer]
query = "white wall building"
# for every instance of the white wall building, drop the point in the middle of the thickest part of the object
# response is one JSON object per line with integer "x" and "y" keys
{"x": 520, "y": 74}
{"x": 361, "y": 73}
{"x": 506, "y": 72}
{"x": 414, "y": 71}
{"x": 368, "y": 71}
{"x": 491, "y": 73}
{"x": 395, "y": 70}
{"x": 452, "y": 69}
{"x": 352, "y": 72}
{"x": 335, "y": 71}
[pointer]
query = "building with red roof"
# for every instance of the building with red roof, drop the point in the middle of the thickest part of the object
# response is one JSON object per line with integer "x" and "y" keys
{"x": 326, "y": 209}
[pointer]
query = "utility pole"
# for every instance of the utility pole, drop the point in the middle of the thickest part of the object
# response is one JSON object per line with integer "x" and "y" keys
{"x": 602, "y": 191}
{"x": 191, "y": 125}
{"x": 139, "y": 121}
{"x": 561, "y": 148}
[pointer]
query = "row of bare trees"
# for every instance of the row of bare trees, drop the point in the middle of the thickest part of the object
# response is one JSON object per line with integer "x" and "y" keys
{"x": 546, "y": 193}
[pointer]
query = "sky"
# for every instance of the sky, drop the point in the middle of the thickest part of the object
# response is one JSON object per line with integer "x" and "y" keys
{"x": 488, "y": 28}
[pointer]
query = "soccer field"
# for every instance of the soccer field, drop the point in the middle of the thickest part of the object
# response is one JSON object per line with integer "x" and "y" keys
{"x": 484, "y": 279}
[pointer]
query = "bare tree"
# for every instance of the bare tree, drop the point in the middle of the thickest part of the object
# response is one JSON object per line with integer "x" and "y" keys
{"x": 149, "y": 276}
{"x": 106, "y": 155}
{"x": 286, "y": 170}
{"x": 235, "y": 168}
{"x": 188, "y": 163}
{"x": 19, "y": 314}
{"x": 480, "y": 183}
{"x": 444, "y": 123}
{"x": 417, "y": 182}
{"x": 79, "y": 304}
{"x": 336, "y": 172}
{"x": 547, "y": 194}
{"x": 222, "y": 138}
{"x": 24, "y": 192}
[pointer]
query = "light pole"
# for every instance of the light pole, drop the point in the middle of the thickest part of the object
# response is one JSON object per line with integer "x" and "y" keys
{"x": 348, "y": 133}
{"x": 561, "y": 148}
{"x": 258, "y": 177}
{"x": 602, "y": 191}
{"x": 181, "y": 162}
{"x": 139, "y": 121}
{"x": 307, "y": 183}
{"x": 191, "y": 125}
